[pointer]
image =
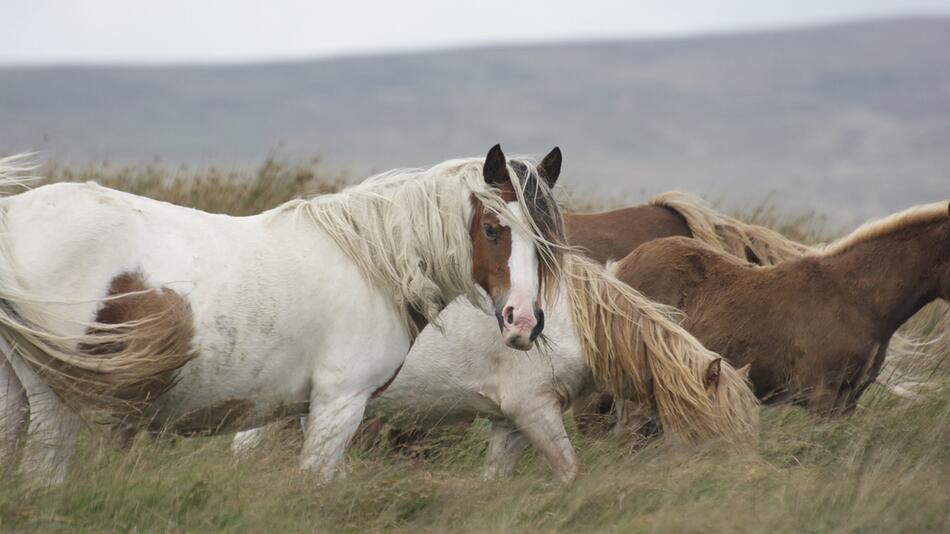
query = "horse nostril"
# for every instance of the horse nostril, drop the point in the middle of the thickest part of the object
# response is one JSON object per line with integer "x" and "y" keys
{"x": 539, "y": 325}
{"x": 509, "y": 315}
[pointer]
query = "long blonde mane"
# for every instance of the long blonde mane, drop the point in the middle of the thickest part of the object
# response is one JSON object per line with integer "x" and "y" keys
{"x": 406, "y": 232}
{"x": 637, "y": 350}
{"x": 730, "y": 235}
{"x": 914, "y": 216}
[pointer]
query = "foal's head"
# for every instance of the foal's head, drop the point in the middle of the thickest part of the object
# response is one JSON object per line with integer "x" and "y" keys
{"x": 505, "y": 259}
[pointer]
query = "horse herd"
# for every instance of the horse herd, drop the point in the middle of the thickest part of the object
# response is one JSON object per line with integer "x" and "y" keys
{"x": 417, "y": 297}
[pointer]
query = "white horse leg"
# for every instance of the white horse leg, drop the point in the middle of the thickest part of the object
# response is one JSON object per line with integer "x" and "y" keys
{"x": 14, "y": 409}
{"x": 53, "y": 430}
{"x": 543, "y": 425}
{"x": 506, "y": 445}
{"x": 246, "y": 441}
{"x": 330, "y": 426}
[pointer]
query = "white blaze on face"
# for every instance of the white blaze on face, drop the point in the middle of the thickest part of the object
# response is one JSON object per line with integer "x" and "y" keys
{"x": 518, "y": 314}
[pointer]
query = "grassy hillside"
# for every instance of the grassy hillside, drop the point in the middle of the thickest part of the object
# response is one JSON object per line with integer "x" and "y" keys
{"x": 884, "y": 469}
{"x": 852, "y": 119}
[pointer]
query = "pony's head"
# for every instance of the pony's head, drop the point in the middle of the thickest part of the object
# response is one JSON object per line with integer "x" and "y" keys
{"x": 506, "y": 260}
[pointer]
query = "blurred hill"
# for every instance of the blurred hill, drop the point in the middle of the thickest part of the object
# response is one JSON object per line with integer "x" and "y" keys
{"x": 852, "y": 120}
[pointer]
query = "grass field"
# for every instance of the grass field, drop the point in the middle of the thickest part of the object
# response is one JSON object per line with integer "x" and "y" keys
{"x": 884, "y": 469}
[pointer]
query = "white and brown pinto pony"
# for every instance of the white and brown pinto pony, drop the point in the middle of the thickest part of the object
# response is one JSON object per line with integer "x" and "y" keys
{"x": 192, "y": 322}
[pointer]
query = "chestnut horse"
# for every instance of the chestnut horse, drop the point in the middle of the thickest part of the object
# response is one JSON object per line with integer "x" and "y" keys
{"x": 815, "y": 329}
{"x": 199, "y": 323}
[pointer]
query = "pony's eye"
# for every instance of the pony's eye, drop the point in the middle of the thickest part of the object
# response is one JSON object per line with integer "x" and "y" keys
{"x": 490, "y": 232}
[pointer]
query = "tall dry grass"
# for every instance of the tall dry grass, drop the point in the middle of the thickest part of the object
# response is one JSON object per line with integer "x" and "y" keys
{"x": 218, "y": 190}
{"x": 884, "y": 469}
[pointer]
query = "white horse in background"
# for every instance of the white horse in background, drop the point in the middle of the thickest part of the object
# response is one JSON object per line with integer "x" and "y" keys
{"x": 599, "y": 330}
{"x": 194, "y": 322}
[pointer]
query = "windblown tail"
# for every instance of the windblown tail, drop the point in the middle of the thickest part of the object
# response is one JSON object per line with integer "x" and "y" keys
{"x": 756, "y": 243}
{"x": 637, "y": 349}
{"x": 120, "y": 365}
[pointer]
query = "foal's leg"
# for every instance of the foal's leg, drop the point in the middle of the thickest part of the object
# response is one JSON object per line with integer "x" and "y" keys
{"x": 53, "y": 430}
{"x": 14, "y": 409}
{"x": 506, "y": 444}
{"x": 543, "y": 425}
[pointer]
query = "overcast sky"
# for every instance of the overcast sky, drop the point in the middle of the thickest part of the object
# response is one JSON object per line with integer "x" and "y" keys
{"x": 135, "y": 31}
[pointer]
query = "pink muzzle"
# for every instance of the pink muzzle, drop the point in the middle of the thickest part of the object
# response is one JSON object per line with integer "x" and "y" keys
{"x": 521, "y": 325}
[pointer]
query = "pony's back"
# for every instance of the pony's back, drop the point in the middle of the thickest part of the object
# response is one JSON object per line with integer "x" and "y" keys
{"x": 665, "y": 269}
{"x": 611, "y": 235}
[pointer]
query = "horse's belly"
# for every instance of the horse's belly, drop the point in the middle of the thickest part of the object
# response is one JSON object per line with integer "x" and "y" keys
{"x": 213, "y": 395}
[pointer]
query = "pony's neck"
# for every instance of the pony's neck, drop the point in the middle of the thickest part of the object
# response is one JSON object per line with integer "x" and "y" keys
{"x": 408, "y": 232}
{"x": 896, "y": 274}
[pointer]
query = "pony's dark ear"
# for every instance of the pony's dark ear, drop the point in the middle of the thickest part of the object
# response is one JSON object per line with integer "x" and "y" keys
{"x": 496, "y": 167}
{"x": 711, "y": 379}
{"x": 550, "y": 167}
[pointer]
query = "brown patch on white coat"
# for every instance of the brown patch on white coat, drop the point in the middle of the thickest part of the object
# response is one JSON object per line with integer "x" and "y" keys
{"x": 141, "y": 336}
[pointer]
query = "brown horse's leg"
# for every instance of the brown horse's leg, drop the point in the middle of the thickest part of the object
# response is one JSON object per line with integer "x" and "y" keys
{"x": 867, "y": 377}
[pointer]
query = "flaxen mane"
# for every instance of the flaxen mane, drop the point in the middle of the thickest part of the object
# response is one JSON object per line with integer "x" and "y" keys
{"x": 390, "y": 222}
{"x": 730, "y": 235}
{"x": 637, "y": 349}
{"x": 917, "y": 215}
